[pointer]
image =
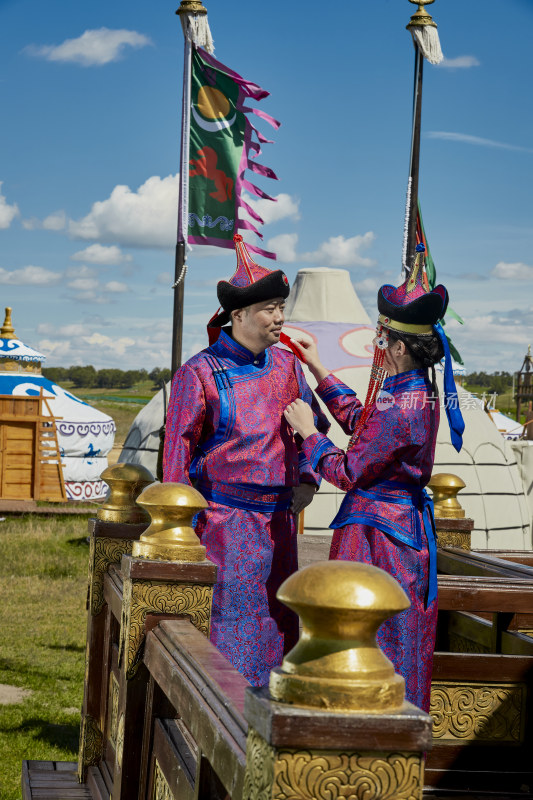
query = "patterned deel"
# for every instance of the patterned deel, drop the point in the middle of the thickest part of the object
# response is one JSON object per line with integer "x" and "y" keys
{"x": 397, "y": 446}
{"x": 236, "y": 442}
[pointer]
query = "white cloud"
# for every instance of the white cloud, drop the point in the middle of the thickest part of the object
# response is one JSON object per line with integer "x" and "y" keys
{"x": 83, "y": 284}
{"x": 116, "y": 287}
{"x": 57, "y": 349}
{"x": 285, "y": 207}
{"x": 512, "y": 271}
{"x": 56, "y": 221}
{"x": 459, "y": 62}
{"x": 68, "y": 331}
{"x": 367, "y": 286}
{"x": 450, "y": 136}
{"x": 341, "y": 252}
{"x": 164, "y": 279}
{"x": 100, "y": 254}
{"x": 31, "y": 276}
{"x": 337, "y": 251}
{"x": 92, "y": 48}
{"x": 284, "y": 246}
{"x": 145, "y": 218}
{"x": 7, "y": 212}
{"x": 80, "y": 272}
{"x": 118, "y": 345}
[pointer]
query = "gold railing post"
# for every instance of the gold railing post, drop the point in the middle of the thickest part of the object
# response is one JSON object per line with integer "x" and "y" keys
{"x": 453, "y": 528}
{"x": 166, "y": 575}
{"x": 119, "y": 521}
{"x": 335, "y": 720}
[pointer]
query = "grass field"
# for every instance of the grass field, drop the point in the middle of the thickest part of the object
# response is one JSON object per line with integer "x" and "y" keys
{"x": 43, "y": 586}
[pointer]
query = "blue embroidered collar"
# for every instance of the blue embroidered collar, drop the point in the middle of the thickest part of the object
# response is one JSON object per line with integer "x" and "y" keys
{"x": 226, "y": 347}
{"x": 407, "y": 381}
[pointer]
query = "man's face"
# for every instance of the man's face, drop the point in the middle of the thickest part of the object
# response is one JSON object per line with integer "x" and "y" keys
{"x": 259, "y": 326}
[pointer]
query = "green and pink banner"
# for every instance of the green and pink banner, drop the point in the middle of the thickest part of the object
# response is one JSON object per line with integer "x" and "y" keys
{"x": 223, "y": 144}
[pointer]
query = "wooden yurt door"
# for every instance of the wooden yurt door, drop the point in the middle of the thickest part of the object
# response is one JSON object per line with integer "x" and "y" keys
{"x": 17, "y": 460}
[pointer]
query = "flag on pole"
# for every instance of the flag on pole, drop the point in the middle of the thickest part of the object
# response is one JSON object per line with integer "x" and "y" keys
{"x": 223, "y": 144}
{"x": 430, "y": 279}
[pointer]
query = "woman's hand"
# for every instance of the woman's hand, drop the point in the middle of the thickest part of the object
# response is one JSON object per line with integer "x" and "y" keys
{"x": 312, "y": 359}
{"x": 300, "y": 417}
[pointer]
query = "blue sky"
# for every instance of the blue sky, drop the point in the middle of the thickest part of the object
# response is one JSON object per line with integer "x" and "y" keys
{"x": 90, "y": 98}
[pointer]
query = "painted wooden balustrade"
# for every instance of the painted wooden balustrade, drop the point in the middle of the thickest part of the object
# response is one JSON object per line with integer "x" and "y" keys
{"x": 166, "y": 716}
{"x": 481, "y": 695}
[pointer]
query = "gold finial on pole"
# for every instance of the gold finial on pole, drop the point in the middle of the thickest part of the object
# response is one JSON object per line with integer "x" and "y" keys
{"x": 337, "y": 663}
{"x": 194, "y": 7}
{"x": 126, "y": 482}
{"x": 445, "y": 488}
{"x": 421, "y": 16}
{"x": 7, "y": 331}
{"x": 170, "y": 536}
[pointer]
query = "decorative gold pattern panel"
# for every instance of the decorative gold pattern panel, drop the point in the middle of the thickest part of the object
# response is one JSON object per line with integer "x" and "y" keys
{"x": 113, "y": 706}
{"x": 161, "y": 789}
{"x": 103, "y": 553}
{"x": 143, "y": 597}
{"x": 458, "y": 539}
{"x": 259, "y": 774}
{"x": 91, "y": 744}
{"x": 119, "y": 749}
{"x": 491, "y": 712}
{"x": 328, "y": 775}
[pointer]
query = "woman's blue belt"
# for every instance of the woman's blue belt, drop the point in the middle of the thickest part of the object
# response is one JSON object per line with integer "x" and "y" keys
{"x": 419, "y": 500}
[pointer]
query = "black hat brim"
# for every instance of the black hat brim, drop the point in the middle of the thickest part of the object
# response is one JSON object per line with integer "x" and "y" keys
{"x": 230, "y": 297}
{"x": 425, "y": 310}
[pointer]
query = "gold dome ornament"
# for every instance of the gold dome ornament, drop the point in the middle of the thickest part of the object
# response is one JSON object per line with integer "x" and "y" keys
{"x": 445, "y": 488}
{"x": 337, "y": 663}
{"x": 170, "y": 535}
{"x": 7, "y": 331}
{"x": 126, "y": 482}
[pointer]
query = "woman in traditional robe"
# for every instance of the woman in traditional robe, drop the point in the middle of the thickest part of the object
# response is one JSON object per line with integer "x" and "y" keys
{"x": 386, "y": 518}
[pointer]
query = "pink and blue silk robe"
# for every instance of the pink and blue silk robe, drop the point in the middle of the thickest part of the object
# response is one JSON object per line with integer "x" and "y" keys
{"x": 386, "y": 518}
{"x": 226, "y": 433}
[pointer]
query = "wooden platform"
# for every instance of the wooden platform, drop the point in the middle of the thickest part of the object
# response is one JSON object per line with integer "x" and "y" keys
{"x": 56, "y": 780}
{"x": 52, "y": 779}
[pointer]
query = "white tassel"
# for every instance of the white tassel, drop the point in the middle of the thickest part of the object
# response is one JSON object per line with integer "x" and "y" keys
{"x": 427, "y": 38}
{"x": 196, "y": 30}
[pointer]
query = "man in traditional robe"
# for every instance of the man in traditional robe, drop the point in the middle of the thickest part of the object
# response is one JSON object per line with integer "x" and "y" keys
{"x": 226, "y": 432}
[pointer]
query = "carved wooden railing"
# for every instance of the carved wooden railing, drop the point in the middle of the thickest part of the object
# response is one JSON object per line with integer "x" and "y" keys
{"x": 481, "y": 698}
{"x": 166, "y": 716}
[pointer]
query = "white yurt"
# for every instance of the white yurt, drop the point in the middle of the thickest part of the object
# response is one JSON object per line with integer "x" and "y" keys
{"x": 85, "y": 435}
{"x": 142, "y": 442}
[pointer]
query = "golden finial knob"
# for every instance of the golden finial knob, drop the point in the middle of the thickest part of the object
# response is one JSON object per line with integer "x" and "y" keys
{"x": 170, "y": 536}
{"x": 194, "y": 7}
{"x": 126, "y": 482}
{"x": 7, "y": 331}
{"x": 337, "y": 663}
{"x": 421, "y": 16}
{"x": 445, "y": 488}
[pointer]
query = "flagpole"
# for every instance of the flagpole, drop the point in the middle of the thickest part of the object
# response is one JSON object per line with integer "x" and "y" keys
{"x": 193, "y": 17}
{"x": 414, "y": 161}
{"x": 427, "y": 45}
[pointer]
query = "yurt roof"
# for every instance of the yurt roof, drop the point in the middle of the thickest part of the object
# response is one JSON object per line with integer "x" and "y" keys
{"x": 11, "y": 348}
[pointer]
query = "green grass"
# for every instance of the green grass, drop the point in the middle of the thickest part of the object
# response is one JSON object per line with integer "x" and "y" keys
{"x": 43, "y": 587}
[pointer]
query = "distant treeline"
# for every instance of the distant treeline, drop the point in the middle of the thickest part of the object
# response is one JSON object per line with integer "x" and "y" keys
{"x": 499, "y": 382}
{"x": 91, "y": 378}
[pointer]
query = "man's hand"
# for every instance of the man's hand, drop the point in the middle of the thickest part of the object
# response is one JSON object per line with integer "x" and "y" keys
{"x": 302, "y": 496}
{"x": 300, "y": 417}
